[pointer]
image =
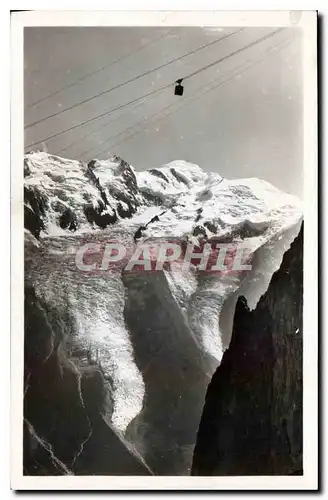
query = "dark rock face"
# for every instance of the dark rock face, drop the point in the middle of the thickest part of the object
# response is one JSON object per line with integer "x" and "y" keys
{"x": 211, "y": 227}
{"x": 99, "y": 215}
{"x": 159, "y": 174}
{"x": 33, "y": 222}
{"x": 129, "y": 196}
{"x": 123, "y": 212}
{"x": 199, "y": 231}
{"x": 128, "y": 176}
{"x": 35, "y": 205}
{"x": 139, "y": 232}
{"x": 65, "y": 430}
{"x": 174, "y": 373}
{"x": 178, "y": 177}
{"x": 252, "y": 418}
{"x": 68, "y": 220}
{"x": 27, "y": 170}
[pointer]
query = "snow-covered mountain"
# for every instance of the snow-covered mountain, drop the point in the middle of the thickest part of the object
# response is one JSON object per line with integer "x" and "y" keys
{"x": 68, "y": 190}
{"x": 156, "y": 337}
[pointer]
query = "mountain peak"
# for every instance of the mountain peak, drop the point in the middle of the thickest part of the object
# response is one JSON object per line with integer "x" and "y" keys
{"x": 75, "y": 196}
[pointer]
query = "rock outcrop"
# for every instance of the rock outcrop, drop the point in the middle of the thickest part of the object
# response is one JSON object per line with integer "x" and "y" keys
{"x": 65, "y": 430}
{"x": 252, "y": 418}
{"x": 175, "y": 373}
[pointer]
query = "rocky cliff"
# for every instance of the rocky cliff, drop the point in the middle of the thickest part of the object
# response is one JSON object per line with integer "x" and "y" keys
{"x": 252, "y": 418}
{"x": 65, "y": 402}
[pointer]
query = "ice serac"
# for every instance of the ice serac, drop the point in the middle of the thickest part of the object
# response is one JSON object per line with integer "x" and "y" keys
{"x": 133, "y": 353}
{"x": 252, "y": 418}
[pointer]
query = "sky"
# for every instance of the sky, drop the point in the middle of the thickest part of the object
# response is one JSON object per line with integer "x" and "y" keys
{"x": 242, "y": 117}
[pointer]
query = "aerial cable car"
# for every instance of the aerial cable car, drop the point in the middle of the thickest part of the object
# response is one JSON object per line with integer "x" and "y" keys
{"x": 178, "y": 87}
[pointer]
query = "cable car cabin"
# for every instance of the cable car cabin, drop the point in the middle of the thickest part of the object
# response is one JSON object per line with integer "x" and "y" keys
{"x": 178, "y": 88}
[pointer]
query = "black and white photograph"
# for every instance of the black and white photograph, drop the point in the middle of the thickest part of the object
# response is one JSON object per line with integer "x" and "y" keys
{"x": 163, "y": 201}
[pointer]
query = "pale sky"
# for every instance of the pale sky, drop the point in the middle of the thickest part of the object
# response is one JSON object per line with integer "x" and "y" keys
{"x": 250, "y": 126}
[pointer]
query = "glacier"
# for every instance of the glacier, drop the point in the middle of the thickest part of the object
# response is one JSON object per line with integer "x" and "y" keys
{"x": 156, "y": 338}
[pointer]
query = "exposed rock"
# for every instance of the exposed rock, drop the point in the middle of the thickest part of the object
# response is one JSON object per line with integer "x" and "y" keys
{"x": 68, "y": 220}
{"x": 174, "y": 372}
{"x": 205, "y": 195}
{"x": 52, "y": 402}
{"x": 179, "y": 177}
{"x": 100, "y": 215}
{"x": 248, "y": 230}
{"x": 159, "y": 174}
{"x": 119, "y": 181}
{"x": 27, "y": 170}
{"x": 35, "y": 206}
{"x": 138, "y": 234}
{"x": 38, "y": 456}
{"x": 140, "y": 231}
{"x": 199, "y": 231}
{"x": 33, "y": 222}
{"x": 210, "y": 226}
{"x": 64, "y": 428}
{"x": 125, "y": 212}
{"x": 37, "y": 200}
{"x": 151, "y": 199}
{"x": 127, "y": 173}
{"x": 252, "y": 418}
{"x": 199, "y": 214}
